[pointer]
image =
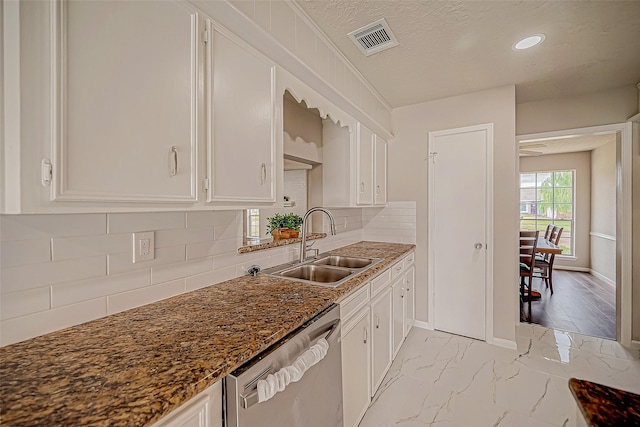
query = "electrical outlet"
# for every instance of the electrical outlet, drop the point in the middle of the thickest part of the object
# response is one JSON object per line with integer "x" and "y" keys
{"x": 143, "y": 246}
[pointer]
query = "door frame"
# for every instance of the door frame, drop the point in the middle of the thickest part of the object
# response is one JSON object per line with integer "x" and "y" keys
{"x": 624, "y": 304}
{"x": 488, "y": 128}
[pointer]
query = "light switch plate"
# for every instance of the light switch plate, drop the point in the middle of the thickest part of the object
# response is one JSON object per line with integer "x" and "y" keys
{"x": 143, "y": 246}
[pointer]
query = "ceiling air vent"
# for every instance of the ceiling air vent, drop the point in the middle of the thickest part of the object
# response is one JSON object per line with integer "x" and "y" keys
{"x": 374, "y": 38}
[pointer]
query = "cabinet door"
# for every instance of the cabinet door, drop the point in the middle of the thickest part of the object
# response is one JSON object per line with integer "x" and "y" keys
{"x": 203, "y": 410}
{"x": 125, "y": 101}
{"x": 399, "y": 307}
{"x": 356, "y": 368}
{"x": 364, "y": 162}
{"x": 241, "y": 139}
{"x": 410, "y": 297}
{"x": 381, "y": 344}
{"x": 380, "y": 171}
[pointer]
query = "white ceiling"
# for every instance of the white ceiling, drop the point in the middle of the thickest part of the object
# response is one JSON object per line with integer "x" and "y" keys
{"x": 454, "y": 47}
{"x": 570, "y": 144}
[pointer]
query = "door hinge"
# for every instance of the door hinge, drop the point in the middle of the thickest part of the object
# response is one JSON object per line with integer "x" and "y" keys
{"x": 205, "y": 184}
{"x": 47, "y": 172}
{"x": 205, "y": 36}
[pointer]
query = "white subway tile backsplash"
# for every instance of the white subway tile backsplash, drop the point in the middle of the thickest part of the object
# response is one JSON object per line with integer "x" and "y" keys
{"x": 123, "y": 262}
{"x": 182, "y": 236}
{"x": 23, "y": 252}
{"x": 130, "y": 222}
{"x": 127, "y": 300}
{"x": 32, "y": 325}
{"x": 83, "y": 290}
{"x": 79, "y": 247}
{"x": 15, "y": 279}
{"x": 207, "y": 249}
{"x": 26, "y": 227}
{"x": 209, "y": 278}
{"x": 211, "y": 218}
{"x": 169, "y": 272}
{"x": 20, "y": 303}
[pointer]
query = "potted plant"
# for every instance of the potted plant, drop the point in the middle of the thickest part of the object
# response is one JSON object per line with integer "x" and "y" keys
{"x": 284, "y": 226}
{"x": 293, "y": 223}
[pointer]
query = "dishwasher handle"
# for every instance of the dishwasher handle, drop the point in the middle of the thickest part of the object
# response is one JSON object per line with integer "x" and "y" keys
{"x": 251, "y": 398}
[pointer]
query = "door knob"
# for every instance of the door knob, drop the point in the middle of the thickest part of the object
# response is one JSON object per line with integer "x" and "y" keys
{"x": 478, "y": 246}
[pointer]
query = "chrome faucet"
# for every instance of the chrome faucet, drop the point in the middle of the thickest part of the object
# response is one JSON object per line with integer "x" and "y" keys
{"x": 303, "y": 239}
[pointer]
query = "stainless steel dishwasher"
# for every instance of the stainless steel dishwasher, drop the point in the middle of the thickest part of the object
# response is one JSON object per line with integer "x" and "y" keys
{"x": 314, "y": 400}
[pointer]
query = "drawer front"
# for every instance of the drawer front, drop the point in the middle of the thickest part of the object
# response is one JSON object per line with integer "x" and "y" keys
{"x": 380, "y": 282}
{"x": 396, "y": 270}
{"x": 354, "y": 302}
{"x": 408, "y": 260}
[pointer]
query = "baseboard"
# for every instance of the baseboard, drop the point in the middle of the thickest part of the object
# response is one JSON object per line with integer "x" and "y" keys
{"x": 603, "y": 278}
{"x": 422, "y": 325}
{"x": 501, "y": 342}
{"x": 569, "y": 268}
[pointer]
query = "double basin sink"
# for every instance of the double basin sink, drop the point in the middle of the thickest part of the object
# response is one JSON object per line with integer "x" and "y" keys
{"x": 324, "y": 270}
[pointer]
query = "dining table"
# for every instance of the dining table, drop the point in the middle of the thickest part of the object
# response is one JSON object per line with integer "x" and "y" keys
{"x": 544, "y": 246}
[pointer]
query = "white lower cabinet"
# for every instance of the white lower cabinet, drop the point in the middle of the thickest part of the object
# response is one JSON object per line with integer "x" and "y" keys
{"x": 381, "y": 356}
{"x": 375, "y": 319}
{"x": 356, "y": 359}
{"x": 410, "y": 297}
{"x": 204, "y": 410}
{"x": 399, "y": 313}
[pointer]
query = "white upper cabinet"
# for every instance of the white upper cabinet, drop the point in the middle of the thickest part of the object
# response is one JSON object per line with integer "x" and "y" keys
{"x": 380, "y": 171}
{"x": 242, "y": 121}
{"x": 125, "y": 101}
{"x": 371, "y": 164}
{"x": 364, "y": 164}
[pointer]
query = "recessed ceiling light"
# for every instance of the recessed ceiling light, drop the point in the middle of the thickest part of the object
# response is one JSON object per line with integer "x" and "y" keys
{"x": 529, "y": 41}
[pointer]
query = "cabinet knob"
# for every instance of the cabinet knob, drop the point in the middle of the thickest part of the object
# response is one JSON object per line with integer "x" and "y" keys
{"x": 377, "y": 321}
{"x": 366, "y": 335}
{"x": 377, "y": 189}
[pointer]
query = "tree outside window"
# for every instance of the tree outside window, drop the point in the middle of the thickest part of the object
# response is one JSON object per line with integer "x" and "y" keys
{"x": 548, "y": 198}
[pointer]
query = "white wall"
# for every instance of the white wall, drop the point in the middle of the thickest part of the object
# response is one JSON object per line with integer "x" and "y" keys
{"x": 581, "y": 163}
{"x": 302, "y": 137}
{"x": 593, "y": 109}
{"x": 603, "y": 211}
{"x": 407, "y": 180}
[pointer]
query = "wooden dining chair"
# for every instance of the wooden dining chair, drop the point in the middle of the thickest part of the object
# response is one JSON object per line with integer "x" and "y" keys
{"x": 528, "y": 243}
{"x": 548, "y": 231}
{"x": 544, "y": 263}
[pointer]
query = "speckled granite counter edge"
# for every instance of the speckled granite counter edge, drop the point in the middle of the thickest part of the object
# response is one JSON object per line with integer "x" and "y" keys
{"x": 604, "y": 406}
{"x": 280, "y": 242}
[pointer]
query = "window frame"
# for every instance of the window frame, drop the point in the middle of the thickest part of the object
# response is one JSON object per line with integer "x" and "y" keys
{"x": 553, "y": 220}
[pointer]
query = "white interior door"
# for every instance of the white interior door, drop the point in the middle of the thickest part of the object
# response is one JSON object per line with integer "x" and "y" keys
{"x": 458, "y": 229}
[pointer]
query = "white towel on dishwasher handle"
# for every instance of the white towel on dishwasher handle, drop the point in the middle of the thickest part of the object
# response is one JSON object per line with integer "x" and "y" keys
{"x": 273, "y": 383}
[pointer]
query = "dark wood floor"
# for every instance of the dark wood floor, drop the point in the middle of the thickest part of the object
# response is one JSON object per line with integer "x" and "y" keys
{"x": 580, "y": 303}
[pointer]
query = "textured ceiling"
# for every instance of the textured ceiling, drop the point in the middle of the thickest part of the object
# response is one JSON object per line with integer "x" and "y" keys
{"x": 449, "y": 48}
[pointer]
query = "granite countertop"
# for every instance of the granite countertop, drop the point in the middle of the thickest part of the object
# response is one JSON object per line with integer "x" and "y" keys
{"x": 134, "y": 367}
{"x": 605, "y": 406}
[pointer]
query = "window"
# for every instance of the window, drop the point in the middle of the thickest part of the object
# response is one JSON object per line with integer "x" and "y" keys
{"x": 253, "y": 223}
{"x": 547, "y": 198}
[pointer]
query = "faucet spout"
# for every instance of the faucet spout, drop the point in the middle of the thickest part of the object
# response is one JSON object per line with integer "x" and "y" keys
{"x": 303, "y": 239}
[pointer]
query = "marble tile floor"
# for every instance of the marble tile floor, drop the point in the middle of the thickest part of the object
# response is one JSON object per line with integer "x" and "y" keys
{"x": 440, "y": 379}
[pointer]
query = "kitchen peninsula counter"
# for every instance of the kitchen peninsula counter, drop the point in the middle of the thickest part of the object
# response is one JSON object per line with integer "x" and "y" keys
{"x": 134, "y": 367}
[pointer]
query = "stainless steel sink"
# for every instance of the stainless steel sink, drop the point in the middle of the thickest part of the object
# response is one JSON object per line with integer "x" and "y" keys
{"x": 317, "y": 273}
{"x": 324, "y": 270}
{"x": 344, "y": 261}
